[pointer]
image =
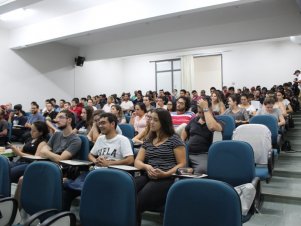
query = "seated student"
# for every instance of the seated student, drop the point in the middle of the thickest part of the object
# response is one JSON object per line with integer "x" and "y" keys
{"x": 182, "y": 116}
{"x": 240, "y": 115}
{"x": 160, "y": 156}
{"x": 35, "y": 116}
{"x": 218, "y": 106}
{"x": 110, "y": 148}
{"x": 268, "y": 109}
{"x": 3, "y": 129}
{"x": 138, "y": 119}
{"x": 139, "y": 138}
{"x": 63, "y": 144}
{"x": 39, "y": 134}
{"x": 199, "y": 136}
{"x": 244, "y": 103}
{"x": 18, "y": 119}
{"x": 117, "y": 110}
{"x": 49, "y": 113}
{"x": 282, "y": 103}
{"x": 84, "y": 126}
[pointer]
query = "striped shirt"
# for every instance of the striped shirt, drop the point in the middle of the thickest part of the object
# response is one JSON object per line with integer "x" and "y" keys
{"x": 178, "y": 119}
{"x": 162, "y": 156}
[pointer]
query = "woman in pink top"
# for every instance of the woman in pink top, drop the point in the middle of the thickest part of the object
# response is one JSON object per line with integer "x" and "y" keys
{"x": 138, "y": 119}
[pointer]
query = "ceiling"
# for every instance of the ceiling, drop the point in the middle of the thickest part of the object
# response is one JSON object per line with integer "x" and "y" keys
{"x": 257, "y": 13}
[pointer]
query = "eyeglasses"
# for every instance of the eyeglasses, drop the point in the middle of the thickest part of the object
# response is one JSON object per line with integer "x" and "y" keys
{"x": 182, "y": 103}
{"x": 61, "y": 117}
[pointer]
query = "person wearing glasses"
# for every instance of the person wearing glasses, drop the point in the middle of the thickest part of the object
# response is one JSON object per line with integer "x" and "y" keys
{"x": 63, "y": 144}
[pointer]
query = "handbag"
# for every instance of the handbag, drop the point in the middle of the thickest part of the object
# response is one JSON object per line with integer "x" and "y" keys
{"x": 291, "y": 123}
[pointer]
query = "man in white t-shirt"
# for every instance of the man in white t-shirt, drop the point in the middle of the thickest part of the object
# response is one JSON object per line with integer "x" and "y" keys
{"x": 127, "y": 105}
{"x": 111, "y": 148}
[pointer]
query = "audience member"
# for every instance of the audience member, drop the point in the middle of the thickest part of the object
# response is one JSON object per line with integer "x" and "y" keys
{"x": 199, "y": 136}
{"x": 160, "y": 156}
{"x": 138, "y": 119}
{"x": 117, "y": 111}
{"x": 240, "y": 115}
{"x": 3, "y": 129}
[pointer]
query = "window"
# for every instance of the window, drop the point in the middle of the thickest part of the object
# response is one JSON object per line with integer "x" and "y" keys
{"x": 168, "y": 74}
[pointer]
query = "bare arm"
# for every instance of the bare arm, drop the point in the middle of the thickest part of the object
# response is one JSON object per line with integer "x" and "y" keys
{"x": 46, "y": 152}
{"x": 184, "y": 135}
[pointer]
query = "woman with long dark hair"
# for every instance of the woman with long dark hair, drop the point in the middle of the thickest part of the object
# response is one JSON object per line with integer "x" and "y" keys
{"x": 160, "y": 156}
{"x": 39, "y": 136}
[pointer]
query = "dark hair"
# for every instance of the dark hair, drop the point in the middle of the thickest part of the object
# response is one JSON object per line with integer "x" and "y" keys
{"x": 183, "y": 90}
{"x": 76, "y": 100}
{"x": 111, "y": 118}
{"x": 269, "y": 100}
{"x": 35, "y": 104}
{"x": 166, "y": 124}
{"x": 89, "y": 120}
{"x": 142, "y": 106}
{"x": 187, "y": 102}
{"x": 235, "y": 98}
{"x": 120, "y": 112}
{"x": 69, "y": 114}
{"x": 18, "y": 107}
{"x": 42, "y": 128}
{"x": 244, "y": 95}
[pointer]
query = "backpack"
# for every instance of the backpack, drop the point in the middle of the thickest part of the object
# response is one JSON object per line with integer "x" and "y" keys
{"x": 286, "y": 146}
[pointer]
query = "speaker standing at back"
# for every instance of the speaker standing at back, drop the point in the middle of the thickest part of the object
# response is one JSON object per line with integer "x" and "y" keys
{"x": 79, "y": 61}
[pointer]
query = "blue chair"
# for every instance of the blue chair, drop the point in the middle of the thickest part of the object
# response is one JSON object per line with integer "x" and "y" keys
{"x": 41, "y": 192}
{"x": 229, "y": 126}
{"x": 233, "y": 162}
{"x": 84, "y": 150}
{"x": 108, "y": 198}
{"x": 5, "y": 187}
{"x": 202, "y": 202}
{"x": 127, "y": 130}
{"x": 127, "y": 118}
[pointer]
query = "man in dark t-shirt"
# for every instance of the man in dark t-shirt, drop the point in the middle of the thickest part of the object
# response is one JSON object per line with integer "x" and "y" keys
{"x": 199, "y": 133}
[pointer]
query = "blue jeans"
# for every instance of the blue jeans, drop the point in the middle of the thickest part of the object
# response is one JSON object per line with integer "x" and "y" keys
{"x": 17, "y": 170}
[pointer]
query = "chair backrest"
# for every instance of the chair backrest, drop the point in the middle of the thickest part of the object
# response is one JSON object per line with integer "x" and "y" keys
{"x": 84, "y": 150}
{"x": 269, "y": 121}
{"x": 127, "y": 130}
{"x": 108, "y": 198}
{"x": 228, "y": 127}
{"x": 259, "y": 137}
{"x": 4, "y": 177}
{"x": 202, "y": 202}
{"x": 42, "y": 187}
{"x": 232, "y": 162}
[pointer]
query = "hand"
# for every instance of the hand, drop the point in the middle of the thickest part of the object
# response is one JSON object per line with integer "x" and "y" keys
{"x": 102, "y": 161}
{"x": 203, "y": 103}
{"x": 150, "y": 172}
{"x": 28, "y": 125}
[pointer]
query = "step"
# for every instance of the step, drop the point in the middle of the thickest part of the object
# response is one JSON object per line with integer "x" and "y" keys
{"x": 283, "y": 189}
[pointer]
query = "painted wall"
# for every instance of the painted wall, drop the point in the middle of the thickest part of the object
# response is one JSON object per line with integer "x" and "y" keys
{"x": 35, "y": 73}
{"x": 266, "y": 64}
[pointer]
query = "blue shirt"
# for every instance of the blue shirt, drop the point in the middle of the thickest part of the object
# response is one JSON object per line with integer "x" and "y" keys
{"x": 36, "y": 117}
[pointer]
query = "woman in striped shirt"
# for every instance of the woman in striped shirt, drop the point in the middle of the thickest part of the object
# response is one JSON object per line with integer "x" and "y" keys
{"x": 160, "y": 156}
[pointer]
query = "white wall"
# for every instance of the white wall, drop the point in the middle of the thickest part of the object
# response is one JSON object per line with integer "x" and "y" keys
{"x": 97, "y": 77}
{"x": 265, "y": 64}
{"x": 245, "y": 64}
{"x": 35, "y": 73}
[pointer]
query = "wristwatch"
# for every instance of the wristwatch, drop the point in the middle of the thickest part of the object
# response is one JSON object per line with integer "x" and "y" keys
{"x": 205, "y": 109}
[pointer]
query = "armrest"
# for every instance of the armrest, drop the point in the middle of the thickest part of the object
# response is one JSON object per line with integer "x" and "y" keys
{"x": 270, "y": 161}
{"x": 8, "y": 210}
{"x": 255, "y": 182}
{"x": 60, "y": 217}
{"x": 43, "y": 213}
